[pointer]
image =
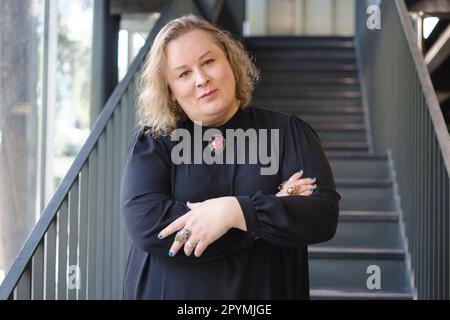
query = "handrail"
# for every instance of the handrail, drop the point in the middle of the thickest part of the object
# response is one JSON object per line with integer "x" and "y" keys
{"x": 22, "y": 266}
{"x": 430, "y": 94}
{"x": 407, "y": 123}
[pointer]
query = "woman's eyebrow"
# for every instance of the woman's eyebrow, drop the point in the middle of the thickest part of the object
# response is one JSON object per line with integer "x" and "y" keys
{"x": 201, "y": 57}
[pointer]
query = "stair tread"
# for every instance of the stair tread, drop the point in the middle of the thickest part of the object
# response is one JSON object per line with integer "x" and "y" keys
{"x": 306, "y": 92}
{"x": 355, "y": 253}
{"x": 391, "y": 216}
{"x": 340, "y": 126}
{"x": 355, "y": 155}
{"x": 319, "y": 109}
{"x": 372, "y": 182}
{"x": 345, "y": 144}
{"x": 359, "y": 294}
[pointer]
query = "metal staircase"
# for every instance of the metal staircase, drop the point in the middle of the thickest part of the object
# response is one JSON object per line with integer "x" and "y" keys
{"x": 317, "y": 79}
{"x": 394, "y": 177}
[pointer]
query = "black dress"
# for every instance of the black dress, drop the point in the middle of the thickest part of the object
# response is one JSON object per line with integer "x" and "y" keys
{"x": 270, "y": 260}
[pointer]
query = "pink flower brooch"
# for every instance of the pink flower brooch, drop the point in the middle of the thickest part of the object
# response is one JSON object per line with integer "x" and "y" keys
{"x": 217, "y": 143}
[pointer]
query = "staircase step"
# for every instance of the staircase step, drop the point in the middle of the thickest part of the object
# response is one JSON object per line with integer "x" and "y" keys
{"x": 336, "y": 118}
{"x": 299, "y": 93}
{"x": 283, "y": 42}
{"x": 347, "y": 267}
{"x": 352, "y": 294}
{"x": 350, "y": 253}
{"x": 324, "y": 87}
{"x": 355, "y": 156}
{"x": 341, "y": 135}
{"x": 369, "y": 196}
{"x": 316, "y": 66}
{"x": 362, "y": 168}
{"x": 362, "y": 229}
{"x": 364, "y": 183}
{"x": 298, "y": 104}
{"x": 354, "y": 146}
{"x": 300, "y": 54}
{"x": 316, "y": 110}
{"x": 305, "y": 61}
{"x": 369, "y": 216}
{"x": 310, "y": 78}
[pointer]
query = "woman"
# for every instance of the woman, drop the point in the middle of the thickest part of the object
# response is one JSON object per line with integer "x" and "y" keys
{"x": 218, "y": 230}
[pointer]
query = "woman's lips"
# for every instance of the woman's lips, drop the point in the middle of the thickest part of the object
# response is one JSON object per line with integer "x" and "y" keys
{"x": 210, "y": 95}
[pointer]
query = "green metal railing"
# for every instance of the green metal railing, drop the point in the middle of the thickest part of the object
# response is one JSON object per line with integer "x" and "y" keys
{"x": 406, "y": 122}
{"x": 78, "y": 248}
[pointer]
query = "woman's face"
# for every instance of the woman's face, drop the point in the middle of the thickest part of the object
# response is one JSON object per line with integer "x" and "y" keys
{"x": 197, "y": 66}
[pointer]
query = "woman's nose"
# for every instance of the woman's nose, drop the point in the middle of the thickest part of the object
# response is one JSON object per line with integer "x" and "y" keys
{"x": 201, "y": 79}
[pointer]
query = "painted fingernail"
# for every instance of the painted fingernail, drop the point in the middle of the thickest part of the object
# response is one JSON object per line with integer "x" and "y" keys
{"x": 160, "y": 236}
{"x": 301, "y": 171}
{"x": 170, "y": 254}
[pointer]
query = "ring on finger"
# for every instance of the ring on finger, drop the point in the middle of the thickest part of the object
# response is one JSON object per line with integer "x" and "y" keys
{"x": 182, "y": 235}
{"x": 293, "y": 190}
{"x": 190, "y": 245}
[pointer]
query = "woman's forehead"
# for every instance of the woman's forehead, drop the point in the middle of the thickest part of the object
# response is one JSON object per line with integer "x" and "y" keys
{"x": 191, "y": 45}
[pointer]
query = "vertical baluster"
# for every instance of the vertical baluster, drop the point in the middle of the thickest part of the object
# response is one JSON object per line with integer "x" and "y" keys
{"x": 23, "y": 288}
{"x": 108, "y": 209}
{"x": 91, "y": 275}
{"x": 117, "y": 173}
{"x": 421, "y": 183}
{"x": 100, "y": 224}
{"x": 446, "y": 245}
{"x": 434, "y": 231}
{"x": 124, "y": 144}
{"x": 83, "y": 231}
{"x": 73, "y": 271}
{"x": 37, "y": 288}
{"x": 50, "y": 260}
{"x": 62, "y": 251}
{"x": 427, "y": 195}
{"x": 417, "y": 188}
{"x": 440, "y": 188}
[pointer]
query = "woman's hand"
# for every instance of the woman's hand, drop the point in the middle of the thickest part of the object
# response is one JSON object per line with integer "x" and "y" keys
{"x": 305, "y": 186}
{"x": 207, "y": 221}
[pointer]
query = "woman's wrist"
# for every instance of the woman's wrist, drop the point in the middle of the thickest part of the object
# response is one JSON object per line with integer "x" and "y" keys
{"x": 238, "y": 215}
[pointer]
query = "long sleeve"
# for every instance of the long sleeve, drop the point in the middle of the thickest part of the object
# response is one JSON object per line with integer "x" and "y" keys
{"x": 296, "y": 220}
{"x": 147, "y": 205}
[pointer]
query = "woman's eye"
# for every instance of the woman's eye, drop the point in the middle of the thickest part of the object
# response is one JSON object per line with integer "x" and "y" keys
{"x": 183, "y": 74}
{"x": 208, "y": 61}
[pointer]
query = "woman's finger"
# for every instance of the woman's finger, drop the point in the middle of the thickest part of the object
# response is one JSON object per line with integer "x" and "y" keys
{"x": 180, "y": 241}
{"x": 190, "y": 245}
{"x": 200, "y": 248}
{"x": 295, "y": 176}
{"x": 192, "y": 205}
{"x": 176, "y": 246}
{"x": 175, "y": 226}
{"x": 308, "y": 190}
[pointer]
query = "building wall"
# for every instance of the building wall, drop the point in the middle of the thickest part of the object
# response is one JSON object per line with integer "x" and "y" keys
{"x": 299, "y": 17}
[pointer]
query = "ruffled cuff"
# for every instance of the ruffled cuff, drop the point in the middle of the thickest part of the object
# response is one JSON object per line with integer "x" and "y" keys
{"x": 250, "y": 216}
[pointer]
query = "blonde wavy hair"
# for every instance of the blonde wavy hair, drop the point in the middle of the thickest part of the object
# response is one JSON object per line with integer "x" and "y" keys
{"x": 156, "y": 112}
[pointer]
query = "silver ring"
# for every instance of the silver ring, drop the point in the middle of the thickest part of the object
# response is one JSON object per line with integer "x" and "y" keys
{"x": 182, "y": 235}
{"x": 189, "y": 244}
